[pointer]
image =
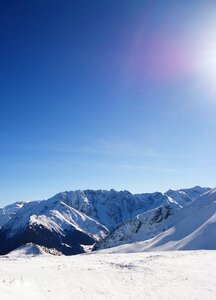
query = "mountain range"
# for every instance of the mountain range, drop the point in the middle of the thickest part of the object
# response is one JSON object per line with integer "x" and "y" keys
{"x": 77, "y": 221}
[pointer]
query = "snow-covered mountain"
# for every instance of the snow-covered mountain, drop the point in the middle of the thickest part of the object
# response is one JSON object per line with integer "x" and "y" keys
{"x": 8, "y": 211}
{"x": 148, "y": 224}
{"x": 72, "y": 221}
{"x": 142, "y": 227}
{"x": 112, "y": 208}
{"x": 185, "y": 196}
{"x": 53, "y": 224}
{"x": 190, "y": 228}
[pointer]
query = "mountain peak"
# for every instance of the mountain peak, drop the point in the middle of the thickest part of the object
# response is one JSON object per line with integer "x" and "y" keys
{"x": 72, "y": 220}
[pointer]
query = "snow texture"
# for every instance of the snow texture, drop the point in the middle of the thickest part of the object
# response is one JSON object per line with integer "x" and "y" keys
{"x": 161, "y": 275}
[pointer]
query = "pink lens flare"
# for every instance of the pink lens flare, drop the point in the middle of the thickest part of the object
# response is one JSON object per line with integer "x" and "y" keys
{"x": 164, "y": 57}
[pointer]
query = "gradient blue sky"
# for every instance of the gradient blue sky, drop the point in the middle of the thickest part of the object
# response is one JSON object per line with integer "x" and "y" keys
{"x": 106, "y": 94}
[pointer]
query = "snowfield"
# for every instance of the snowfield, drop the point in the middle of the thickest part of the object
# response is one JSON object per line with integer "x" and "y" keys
{"x": 158, "y": 275}
{"x": 136, "y": 255}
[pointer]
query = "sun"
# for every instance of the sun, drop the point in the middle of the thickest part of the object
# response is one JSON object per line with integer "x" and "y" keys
{"x": 206, "y": 64}
{"x": 204, "y": 59}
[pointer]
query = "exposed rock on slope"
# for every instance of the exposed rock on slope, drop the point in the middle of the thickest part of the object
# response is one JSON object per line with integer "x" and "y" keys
{"x": 142, "y": 227}
{"x": 70, "y": 222}
{"x": 112, "y": 208}
{"x": 52, "y": 224}
{"x": 190, "y": 228}
{"x": 31, "y": 249}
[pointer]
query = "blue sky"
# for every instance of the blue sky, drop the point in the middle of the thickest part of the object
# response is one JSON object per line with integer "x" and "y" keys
{"x": 106, "y": 94}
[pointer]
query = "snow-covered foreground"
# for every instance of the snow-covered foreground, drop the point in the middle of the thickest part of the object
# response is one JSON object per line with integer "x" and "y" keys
{"x": 160, "y": 275}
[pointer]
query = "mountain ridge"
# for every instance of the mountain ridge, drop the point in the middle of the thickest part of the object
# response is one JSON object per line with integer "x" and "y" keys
{"x": 71, "y": 221}
{"x": 192, "y": 227}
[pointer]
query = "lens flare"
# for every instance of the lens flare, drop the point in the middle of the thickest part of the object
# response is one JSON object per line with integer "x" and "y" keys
{"x": 204, "y": 59}
{"x": 187, "y": 54}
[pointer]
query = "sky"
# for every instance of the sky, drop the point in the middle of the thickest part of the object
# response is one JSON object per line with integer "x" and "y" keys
{"x": 106, "y": 94}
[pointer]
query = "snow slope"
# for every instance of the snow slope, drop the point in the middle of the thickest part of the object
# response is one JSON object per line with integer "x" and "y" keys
{"x": 8, "y": 211}
{"x": 55, "y": 216}
{"x": 112, "y": 208}
{"x": 190, "y": 228}
{"x": 70, "y": 221}
{"x": 52, "y": 224}
{"x": 196, "y": 191}
{"x": 141, "y": 227}
{"x": 162, "y": 275}
{"x": 31, "y": 250}
{"x": 185, "y": 196}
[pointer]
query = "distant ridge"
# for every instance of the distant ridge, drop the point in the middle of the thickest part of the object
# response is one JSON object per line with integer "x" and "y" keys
{"x": 74, "y": 221}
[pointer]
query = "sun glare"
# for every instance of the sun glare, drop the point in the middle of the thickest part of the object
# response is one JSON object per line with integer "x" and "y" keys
{"x": 204, "y": 59}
